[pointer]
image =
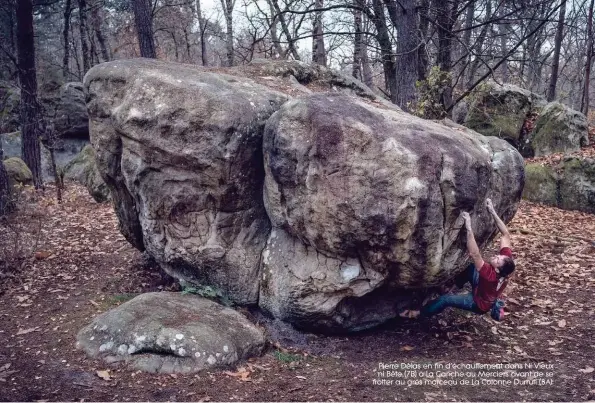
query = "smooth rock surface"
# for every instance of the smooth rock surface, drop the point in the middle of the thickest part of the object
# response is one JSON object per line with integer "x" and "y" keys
{"x": 181, "y": 151}
{"x": 170, "y": 332}
{"x": 83, "y": 169}
{"x": 559, "y": 129}
{"x": 18, "y": 172}
{"x": 365, "y": 204}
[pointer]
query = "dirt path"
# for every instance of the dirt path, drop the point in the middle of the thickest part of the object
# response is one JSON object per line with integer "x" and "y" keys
{"x": 85, "y": 267}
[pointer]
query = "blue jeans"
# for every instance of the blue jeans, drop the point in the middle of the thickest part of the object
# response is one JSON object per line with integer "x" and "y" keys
{"x": 461, "y": 301}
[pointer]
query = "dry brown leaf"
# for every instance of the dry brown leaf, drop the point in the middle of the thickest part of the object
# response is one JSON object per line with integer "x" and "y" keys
{"x": 104, "y": 375}
{"x": 407, "y": 348}
{"x": 587, "y": 370}
{"x": 26, "y": 331}
{"x": 561, "y": 323}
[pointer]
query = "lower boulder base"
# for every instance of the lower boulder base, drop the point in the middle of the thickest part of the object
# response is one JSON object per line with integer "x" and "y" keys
{"x": 171, "y": 332}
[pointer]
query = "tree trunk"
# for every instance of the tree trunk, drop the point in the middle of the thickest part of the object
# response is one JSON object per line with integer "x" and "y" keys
{"x": 83, "y": 34}
{"x": 96, "y": 21}
{"x": 585, "y": 103}
{"x": 228, "y": 6}
{"x": 30, "y": 113}
{"x": 404, "y": 17}
{"x": 202, "y": 27}
{"x": 5, "y": 197}
{"x": 422, "y": 54}
{"x": 386, "y": 51}
{"x": 144, "y": 28}
{"x": 318, "y": 50}
{"x": 65, "y": 32}
{"x": 357, "y": 43}
{"x": 445, "y": 19}
{"x": 7, "y": 38}
{"x": 274, "y": 36}
{"x": 472, "y": 72}
{"x": 290, "y": 42}
{"x": 551, "y": 91}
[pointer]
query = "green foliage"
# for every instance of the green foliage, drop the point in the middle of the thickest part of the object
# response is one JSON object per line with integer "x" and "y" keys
{"x": 429, "y": 100}
{"x": 286, "y": 357}
{"x": 209, "y": 292}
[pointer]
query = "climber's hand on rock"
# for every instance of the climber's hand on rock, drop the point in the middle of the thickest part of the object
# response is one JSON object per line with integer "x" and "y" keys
{"x": 467, "y": 219}
{"x": 489, "y": 205}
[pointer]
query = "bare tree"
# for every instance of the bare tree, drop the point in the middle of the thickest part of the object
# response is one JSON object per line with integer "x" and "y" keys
{"x": 96, "y": 22}
{"x": 228, "y": 6}
{"x": 5, "y": 197}
{"x": 83, "y": 34}
{"x": 202, "y": 28}
{"x": 318, "y": 50}
{"x": 589, "y": 61}
{"x": 30, "y": 111}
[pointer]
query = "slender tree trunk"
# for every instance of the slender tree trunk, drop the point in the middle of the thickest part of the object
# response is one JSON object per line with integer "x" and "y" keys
{"x": 5, "y": 197}
{"x": 357, "y": 43}
{"x": 65, "y": 32}
{"x": 422, "y": 54}
{"x": 368, "y": 78}
{"x": 228, "y": 6}
{"x": 96, "y": 21}
{"x": 318, "y": 49}
{"x": 202, "y": 27}
{"x": 144, "y": 28}
{"x": 274, "y": 36}
{"x": 445, "y": 19}
{"x": 83, "y": 34}
{"x": 386, "y": 51}
{"x": 478, "y": 48}
{"x": 551, "y": 91}
{"x": 284, "y": 27}
{"x": 586, "y": 92}
{"x": 30, "y": 113}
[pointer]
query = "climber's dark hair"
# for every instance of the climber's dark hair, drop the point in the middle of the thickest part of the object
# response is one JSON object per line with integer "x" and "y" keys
{"x": 507, "y": 268}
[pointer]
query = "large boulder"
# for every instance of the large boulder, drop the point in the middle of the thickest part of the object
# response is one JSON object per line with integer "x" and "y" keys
{"x": 365, "y": 204}
{"x": 171, "y": 332}
{"x": 71, "y": 117}
{"x": 501, "y": 110}
{"x": 83, "y": 169}
{"x": 558, "y": 129}
{"x": 10, "y": 101}
{"x": 569, "y": 185}
{"x": 181, "y": 150}
{"x": 18, "y": 172}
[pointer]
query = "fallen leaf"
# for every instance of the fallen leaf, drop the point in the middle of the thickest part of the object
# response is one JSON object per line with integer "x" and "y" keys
{"x": 407, "y": 348}
{"x": 561, "y": 323}
{"x": 26, "y": 331}
{"x": 301, "y": 377}
{"x": 587, "y": 370}
{"x": 104, "y": 375}
{"x": 42, "y": 254}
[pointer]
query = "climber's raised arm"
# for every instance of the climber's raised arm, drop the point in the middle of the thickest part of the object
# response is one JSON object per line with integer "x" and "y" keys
{"x": 505, "y": 241}
{"x": 472, "y": 247}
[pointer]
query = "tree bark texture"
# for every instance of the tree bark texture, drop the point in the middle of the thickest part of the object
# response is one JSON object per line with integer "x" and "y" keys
{"x": 144, "y": 28}
{"x": 83, "y": 35}
{"x": 30, "y": 112}
{"x": 586, "y": 92}
{"x": 386, "y": 51}
{"x": 318, "y": 49}
{"x": 66, "y": 39}
{"x": 5, "y": 199}
{"x": 202, "y": 27}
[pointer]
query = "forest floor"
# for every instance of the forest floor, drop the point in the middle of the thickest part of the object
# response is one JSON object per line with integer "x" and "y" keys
{"x": 76, "y": 265}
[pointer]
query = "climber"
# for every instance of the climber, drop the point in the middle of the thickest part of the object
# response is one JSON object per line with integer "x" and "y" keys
{"x": 488, "y": 280}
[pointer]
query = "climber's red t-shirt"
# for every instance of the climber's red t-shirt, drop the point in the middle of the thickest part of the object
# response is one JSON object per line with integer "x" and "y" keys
{"x": 487, "y": 290}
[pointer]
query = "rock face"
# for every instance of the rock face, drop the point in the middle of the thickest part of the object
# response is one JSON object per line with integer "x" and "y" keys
{"x": 559, "y": 129}
{"x": 83, "y": 169}
{"x": 71, "y": 118}
{"x": 505, "y": 110}
{"x": 501, "y": 110}
{"x": 364, "y": 199}
{"x": 569, "y": 185}
{"x": 171, "y": 333}
{"x": 365, "y": 202}
{"x": 181, "y": 151}
{"x": 18, "y": 172}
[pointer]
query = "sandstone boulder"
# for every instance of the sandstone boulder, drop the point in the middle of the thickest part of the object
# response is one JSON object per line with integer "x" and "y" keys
{"x": 18, "y": 172}
{"x": 71, "y": 118}
{"x": 558, "y": 129}
{"x": 569, "y": 185}
{"x": 365, "y": 204}
{"x": 83, "y": 169}
{"x": 501, "y": 110}
{"x": 181, "y": 150}
{"x": 171, "y": 333}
